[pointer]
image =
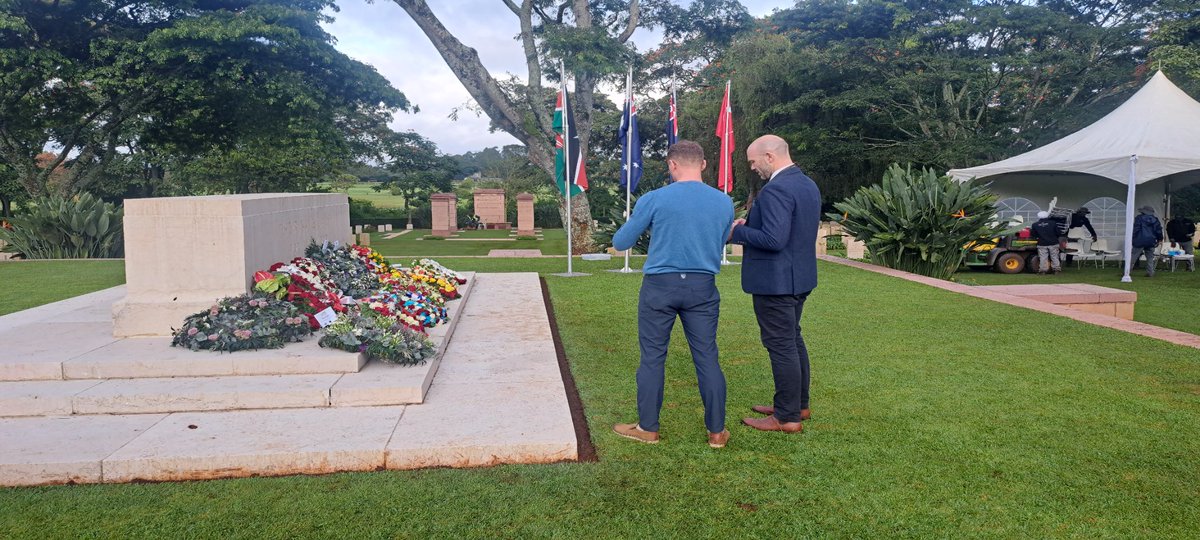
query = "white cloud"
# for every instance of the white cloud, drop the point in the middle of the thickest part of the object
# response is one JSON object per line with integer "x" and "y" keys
{"x": 383, "y": 35}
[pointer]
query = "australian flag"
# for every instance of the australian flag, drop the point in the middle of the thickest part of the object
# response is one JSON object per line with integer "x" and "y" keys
{"x": 631, "y": 146}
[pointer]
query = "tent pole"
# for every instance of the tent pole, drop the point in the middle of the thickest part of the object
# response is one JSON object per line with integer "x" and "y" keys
{"x": 1129, "y": 204}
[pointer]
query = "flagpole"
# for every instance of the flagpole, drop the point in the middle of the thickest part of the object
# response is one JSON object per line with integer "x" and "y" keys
{"x": 726, "y": 160}
{"x": 628, "y": 154}
{"x": 567, "y": 163}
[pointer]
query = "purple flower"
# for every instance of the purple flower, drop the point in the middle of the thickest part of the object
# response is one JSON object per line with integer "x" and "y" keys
{"x": 212, "y": 337}
{"x": 193, "y": 331}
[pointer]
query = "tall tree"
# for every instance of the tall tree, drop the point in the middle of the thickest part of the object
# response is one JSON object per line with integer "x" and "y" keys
{"x": 593, "y": 40}
{"x": 94, "y": 78}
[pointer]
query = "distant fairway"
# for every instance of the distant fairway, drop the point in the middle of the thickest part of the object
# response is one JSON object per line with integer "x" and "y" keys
{"x": 365, "y": 191}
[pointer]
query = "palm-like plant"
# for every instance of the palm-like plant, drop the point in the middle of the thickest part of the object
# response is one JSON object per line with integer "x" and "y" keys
{"x": 920, "y": 222}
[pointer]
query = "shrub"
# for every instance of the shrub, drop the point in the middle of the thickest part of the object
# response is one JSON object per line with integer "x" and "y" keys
{"x": 82, "y": 227}
{"x": 603, "y": 234}
{"x": 921, "y": 223}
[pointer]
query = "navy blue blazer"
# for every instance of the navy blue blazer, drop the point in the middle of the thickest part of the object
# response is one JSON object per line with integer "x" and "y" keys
{"x": 780, "y": 236}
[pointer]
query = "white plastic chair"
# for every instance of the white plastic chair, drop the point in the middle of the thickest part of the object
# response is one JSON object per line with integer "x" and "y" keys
{"x": 1100, "y": 248}
{"x": 1085, "y": 252}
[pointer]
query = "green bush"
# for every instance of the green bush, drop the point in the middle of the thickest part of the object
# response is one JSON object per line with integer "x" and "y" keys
{"x": 602, "y": 235}
{"x": 81, "y": 227}
{"x": 921, "y": 223}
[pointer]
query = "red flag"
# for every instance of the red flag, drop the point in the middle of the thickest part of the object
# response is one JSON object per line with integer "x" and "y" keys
{"x": 725, "y": 133}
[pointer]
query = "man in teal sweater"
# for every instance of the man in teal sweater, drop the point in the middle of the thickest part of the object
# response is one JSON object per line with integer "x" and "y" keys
{"x": 689, "y": 222}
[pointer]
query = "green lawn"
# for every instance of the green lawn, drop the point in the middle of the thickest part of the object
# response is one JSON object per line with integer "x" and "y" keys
{"x": 364, "y": 192}
{"x": 934, "y": 415}
{"x": 1169, "y": 299}
{"x": 420, "y": 243}
{"x": 25, "y": 284}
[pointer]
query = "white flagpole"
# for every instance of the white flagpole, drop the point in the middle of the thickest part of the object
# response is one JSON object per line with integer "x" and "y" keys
{"x": 628, "y": 155}
{"x": 728, "y": 114}
{"x": 566, "y": 161}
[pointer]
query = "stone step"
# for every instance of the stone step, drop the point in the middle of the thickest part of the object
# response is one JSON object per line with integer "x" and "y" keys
{"x": 83, "y": 347}
{"x": 377, "y": 385}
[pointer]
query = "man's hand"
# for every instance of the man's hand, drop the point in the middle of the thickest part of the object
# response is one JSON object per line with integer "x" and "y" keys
{"x": 736, "y": 222}
{"x": 1093, "y": 238}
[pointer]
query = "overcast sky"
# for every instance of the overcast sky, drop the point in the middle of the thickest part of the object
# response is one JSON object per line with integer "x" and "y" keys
{"x": 382, "y": 35}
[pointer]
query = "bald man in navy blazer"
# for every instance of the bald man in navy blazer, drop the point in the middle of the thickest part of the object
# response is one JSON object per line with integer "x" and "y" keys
{"x": 780, "y": 270}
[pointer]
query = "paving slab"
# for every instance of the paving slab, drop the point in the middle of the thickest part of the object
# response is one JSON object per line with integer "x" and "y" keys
{"x": 37, "y": 351}
{"x": 194, "y": 446}
{"x": 151, "y": 357}
{"x": 535, "y": 361}
{"x": 91, "y": 307}
{"x": 64, "y": 449}
{"x": 475, "y": 424}
{"x": 180, "y": 394}
{"x": 40, "y": 398}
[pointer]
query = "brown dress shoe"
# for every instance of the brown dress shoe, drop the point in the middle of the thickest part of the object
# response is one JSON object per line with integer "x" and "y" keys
{"x": 769, "y": 410}
{"x": 771, "y": 423}
{"x": 635, "y": 432}
{"x": 718, "y": 440}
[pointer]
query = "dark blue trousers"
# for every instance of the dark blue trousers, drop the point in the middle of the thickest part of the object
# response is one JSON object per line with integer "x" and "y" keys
{"x": 695, "y": 300}
{"x": 779, "y": 325}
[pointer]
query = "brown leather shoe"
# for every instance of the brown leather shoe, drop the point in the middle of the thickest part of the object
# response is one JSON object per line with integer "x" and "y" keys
{"x": 771, "y": 423}
{"x": 635, "y": 432}
{"x": 718, "y": 440}
{"x": 769, "y": 410}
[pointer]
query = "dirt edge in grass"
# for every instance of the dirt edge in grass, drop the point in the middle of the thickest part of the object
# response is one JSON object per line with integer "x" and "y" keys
{"x": 583, "y": 436}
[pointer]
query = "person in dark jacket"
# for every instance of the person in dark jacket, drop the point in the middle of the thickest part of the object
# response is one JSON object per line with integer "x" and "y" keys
{"x": 1045, "y": 230}
{"x": 1080, "y": 219}
{"x": 1180, "y": 231}
{"x": 1147, "y": 235}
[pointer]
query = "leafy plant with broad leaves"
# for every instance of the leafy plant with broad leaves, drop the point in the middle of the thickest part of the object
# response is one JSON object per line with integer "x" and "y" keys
{"x": 379, "y": 337}
{"x": 920, "y": 222}
{"x": 243, "y": 322}
{"x": 80, "y": 227}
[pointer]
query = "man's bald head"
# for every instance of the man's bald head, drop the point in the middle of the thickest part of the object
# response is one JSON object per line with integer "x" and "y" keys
{"x": 768, "y": 154}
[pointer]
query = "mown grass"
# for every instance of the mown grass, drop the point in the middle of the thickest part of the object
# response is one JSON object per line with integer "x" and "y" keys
{"x": 1169, "y": 299}
{"x": 25, "y": 284}
{"x": 365, "y": 191}
{"x": 420, "y": 243}
{"x": 935, "y": 415}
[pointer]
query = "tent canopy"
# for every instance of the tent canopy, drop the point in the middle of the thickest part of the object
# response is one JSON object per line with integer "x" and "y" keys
{"x": 1154, "y": 136}
{"x": 1160, "y": 125}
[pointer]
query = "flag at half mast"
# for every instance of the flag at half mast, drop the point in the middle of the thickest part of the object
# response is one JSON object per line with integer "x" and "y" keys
{"x": 672, "y": 119}
{"x": 574, "y": 175}
{"x": 631, "y": 146}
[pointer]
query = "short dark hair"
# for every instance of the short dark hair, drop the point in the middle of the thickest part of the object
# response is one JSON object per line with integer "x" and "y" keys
{"x": 686, "y": 152}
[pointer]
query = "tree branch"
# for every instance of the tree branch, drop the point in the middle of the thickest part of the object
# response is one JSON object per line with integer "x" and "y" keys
{"x": 512, "y": 7}
{"x": 533, "y": 95}
{"x": 635, "y": 11}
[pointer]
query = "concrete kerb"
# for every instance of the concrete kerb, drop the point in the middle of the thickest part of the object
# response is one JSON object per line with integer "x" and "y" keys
{"x": 1133, "y": 327}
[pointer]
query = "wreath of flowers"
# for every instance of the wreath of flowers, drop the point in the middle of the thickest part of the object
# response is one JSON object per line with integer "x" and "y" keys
{"x": 350, "y": 273}
{"x": 242, "y": 322}
{"x": 389, "y": 305}
{"x": 448, "y": 287}
{"x": 436, "y": 268}
{"x": 379, "y": 337}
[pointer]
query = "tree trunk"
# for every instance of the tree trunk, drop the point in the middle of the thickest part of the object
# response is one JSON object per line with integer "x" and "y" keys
{"x": 509, "y": 116}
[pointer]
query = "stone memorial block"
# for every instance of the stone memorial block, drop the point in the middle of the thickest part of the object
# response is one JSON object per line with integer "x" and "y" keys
{"x": 855, "y": 249}
{"x": 735, "y": 250}
{"x": 822, "y": 244}
{"x": 364, "y": 239}
{"x": 525, "y": 215}
{"x": 184, "y": 253}
{"x": 489, "y": 205}
{"x": 445, "y": 213}
{"x": 358, "y": 229}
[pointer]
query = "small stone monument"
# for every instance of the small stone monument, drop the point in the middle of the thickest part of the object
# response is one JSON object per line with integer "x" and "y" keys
{"x": 445, "y": 213}
{"x": 489, "y": 206}
{"x": 364, "y": 239}
{"x": 855, "y": 249}
{"x": 525, "y": 214}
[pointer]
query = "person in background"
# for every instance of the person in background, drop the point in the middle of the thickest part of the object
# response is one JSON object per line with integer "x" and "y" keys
{"x": 1080, "y": 219}
{"x": 1147, "y": 235}
{"x": 1180, "y": 230}
{"x": 1045, "y": 231}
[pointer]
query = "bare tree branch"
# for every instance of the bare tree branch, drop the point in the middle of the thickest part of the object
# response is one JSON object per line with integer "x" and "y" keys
{"x": 635, "y": 12}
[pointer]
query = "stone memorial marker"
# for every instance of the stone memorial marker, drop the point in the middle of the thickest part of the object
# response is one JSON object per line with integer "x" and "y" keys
{"x": 445, "y": 213}
{"x": 184, "y": 253}
{"x": 525, "y": 215}
{"x": 489, "y": 206}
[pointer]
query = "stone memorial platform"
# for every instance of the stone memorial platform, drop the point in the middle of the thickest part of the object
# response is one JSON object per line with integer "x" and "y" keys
{"x": 1079, "y": 296}
{"x": 86, "y": 407}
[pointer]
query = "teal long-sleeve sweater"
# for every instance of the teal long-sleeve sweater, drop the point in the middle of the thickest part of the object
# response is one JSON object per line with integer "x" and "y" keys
{"x": 688, "y": 223}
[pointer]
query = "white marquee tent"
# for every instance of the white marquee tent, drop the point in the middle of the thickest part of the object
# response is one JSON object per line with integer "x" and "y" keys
{"x": 1149, "y": 145}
